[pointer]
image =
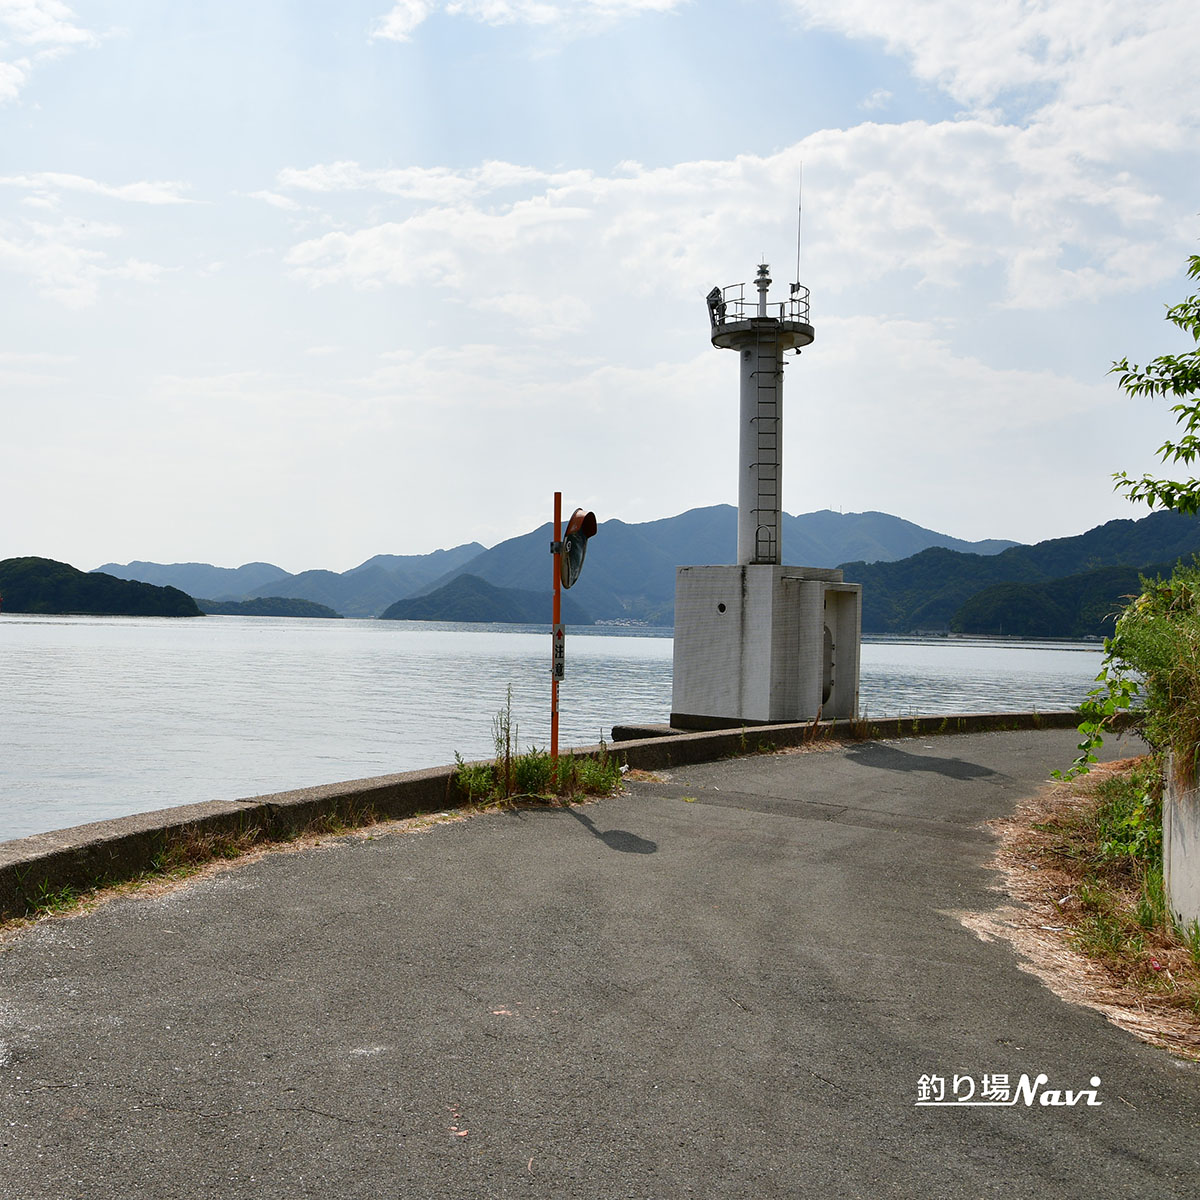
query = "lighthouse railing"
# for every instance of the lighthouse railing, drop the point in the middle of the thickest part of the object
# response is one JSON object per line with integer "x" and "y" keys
{"x": 735, "y": 306}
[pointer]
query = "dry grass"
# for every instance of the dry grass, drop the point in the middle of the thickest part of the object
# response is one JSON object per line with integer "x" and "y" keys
{"x": 814, "y": 746}
{"x": 1079, "y": 922}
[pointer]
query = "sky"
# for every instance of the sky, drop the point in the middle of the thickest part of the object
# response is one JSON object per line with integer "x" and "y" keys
{"x": 304, "y": 283}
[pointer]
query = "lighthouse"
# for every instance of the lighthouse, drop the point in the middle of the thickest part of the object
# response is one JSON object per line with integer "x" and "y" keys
{"x": 760, "y": 642}
{"x": 761, "y": 333}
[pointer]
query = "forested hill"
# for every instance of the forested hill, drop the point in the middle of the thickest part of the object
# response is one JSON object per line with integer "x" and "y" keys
{"x": 1083, "y": 605}
{"x": 930, "y": 590}
{"x": 41, "y": 585}
{"x": 469, "y": 598}
{"x": 267, "y": 606}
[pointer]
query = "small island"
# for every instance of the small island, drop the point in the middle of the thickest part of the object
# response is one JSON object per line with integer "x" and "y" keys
{"x": 268, "y": 606}
{"x": 42, "y": 585}
{"x": 469, "y": 598}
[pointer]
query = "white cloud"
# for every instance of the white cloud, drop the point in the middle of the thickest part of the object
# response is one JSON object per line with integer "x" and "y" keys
{"x": 439, "y": 185}
{"x": 539, "y": 316}
{"x": 546, "y": 12}
{"x": 50, "y": 183}
{"x": 47, "y": 27}
{"x": 398, "y": 24}
{"x": 13, "y": 77}
{"x": 937, "y": 202}
{"x": 35, "y": 369}
{"x": 443, "y": 246}
{"x": 513, "y": 409}
{"x": 431, "y": 185}
{"x": 61, "y": 263}
{"x": 275, "y": 200}
{"x": 945, "y": 392}
{"x": 945, "y": 200}
{"x": 38, "y": 357}
{"x": 571, "y": 16}
{"x": 930, "y": 423}
{"x": 1115, "y": 79}
{"x": 60, "y": 257}
{"x": 43, "y": 23}
{"x": 1061, "y": 198}
{"x": 42, "y": 201}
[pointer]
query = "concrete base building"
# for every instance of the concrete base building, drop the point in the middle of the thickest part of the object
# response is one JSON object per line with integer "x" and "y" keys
{"x": 763, "y": 645}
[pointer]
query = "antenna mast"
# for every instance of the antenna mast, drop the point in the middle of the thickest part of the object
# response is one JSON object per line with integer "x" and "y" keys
{"x": 799, "y": 222}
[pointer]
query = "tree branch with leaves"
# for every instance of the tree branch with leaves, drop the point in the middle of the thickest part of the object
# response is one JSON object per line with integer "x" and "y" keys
{"x": 1154, "y": 654}
{"x": 1170, "y": 375}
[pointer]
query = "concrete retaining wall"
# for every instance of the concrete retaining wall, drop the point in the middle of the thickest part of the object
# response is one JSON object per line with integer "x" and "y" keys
{"x": 34, "y": 869}
{"x": 1181, "y": 845}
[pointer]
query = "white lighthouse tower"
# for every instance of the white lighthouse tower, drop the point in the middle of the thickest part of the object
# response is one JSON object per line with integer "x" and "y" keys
{"x": 761, "y": 642}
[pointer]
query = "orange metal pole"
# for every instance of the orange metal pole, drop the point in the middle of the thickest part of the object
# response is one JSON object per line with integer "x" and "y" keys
{"x": 556, "y": 621}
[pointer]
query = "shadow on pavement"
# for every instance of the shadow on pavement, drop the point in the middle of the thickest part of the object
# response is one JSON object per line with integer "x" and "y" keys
{"x": 616, "y": 839}
{"x": 889, "y": 758}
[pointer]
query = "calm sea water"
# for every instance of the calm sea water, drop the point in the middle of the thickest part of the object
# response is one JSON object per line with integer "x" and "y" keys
{"x": 101, "y": 717}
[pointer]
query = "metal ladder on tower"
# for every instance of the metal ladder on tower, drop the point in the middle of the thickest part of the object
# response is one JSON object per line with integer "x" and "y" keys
{"x": 766, "y": 420}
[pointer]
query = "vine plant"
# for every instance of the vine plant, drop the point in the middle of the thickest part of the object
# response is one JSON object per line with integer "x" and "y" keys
{"x": 1115, "y": 692}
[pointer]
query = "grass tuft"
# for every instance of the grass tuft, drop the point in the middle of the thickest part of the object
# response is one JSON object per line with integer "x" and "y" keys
{"x": 511, "y": 775}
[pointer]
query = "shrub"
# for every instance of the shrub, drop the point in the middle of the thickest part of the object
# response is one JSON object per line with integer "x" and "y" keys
{"x": 476, "y": 780}
{"x": 593, "y": 776}
{"x": 1153, "y": 660}
{"x": 533, "y": 773}
{"x": 1157, "y": 639}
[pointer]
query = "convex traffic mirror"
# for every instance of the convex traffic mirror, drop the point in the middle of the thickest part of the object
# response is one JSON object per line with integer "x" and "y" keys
{"x": 580, "y": 527}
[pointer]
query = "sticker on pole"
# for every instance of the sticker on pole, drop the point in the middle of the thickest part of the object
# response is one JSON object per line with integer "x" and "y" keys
{"x": 558, "y": 660}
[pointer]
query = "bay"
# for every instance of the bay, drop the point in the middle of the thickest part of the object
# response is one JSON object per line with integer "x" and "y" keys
{"x": 102, "y": 717}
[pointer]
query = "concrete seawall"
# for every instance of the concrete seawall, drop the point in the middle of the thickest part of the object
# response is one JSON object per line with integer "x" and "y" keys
{"x": 35, "y": 869}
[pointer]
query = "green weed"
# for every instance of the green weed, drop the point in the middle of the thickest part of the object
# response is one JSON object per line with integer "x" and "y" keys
{"x": 533, "y": 773}
{"x": 591, "y": 776}
{"x": 49, "y": 900}
{"x": 1128, "y": 818}
{"x": 477, "y": 781}
{"x": 511, "y": 773}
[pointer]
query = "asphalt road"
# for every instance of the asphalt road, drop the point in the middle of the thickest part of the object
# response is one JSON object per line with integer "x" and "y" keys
{"x": 728, "y": 984}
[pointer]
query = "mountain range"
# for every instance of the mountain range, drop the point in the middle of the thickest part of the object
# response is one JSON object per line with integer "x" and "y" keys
{"x": 914, "y": 580}
{"x": 630, "y": 573}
